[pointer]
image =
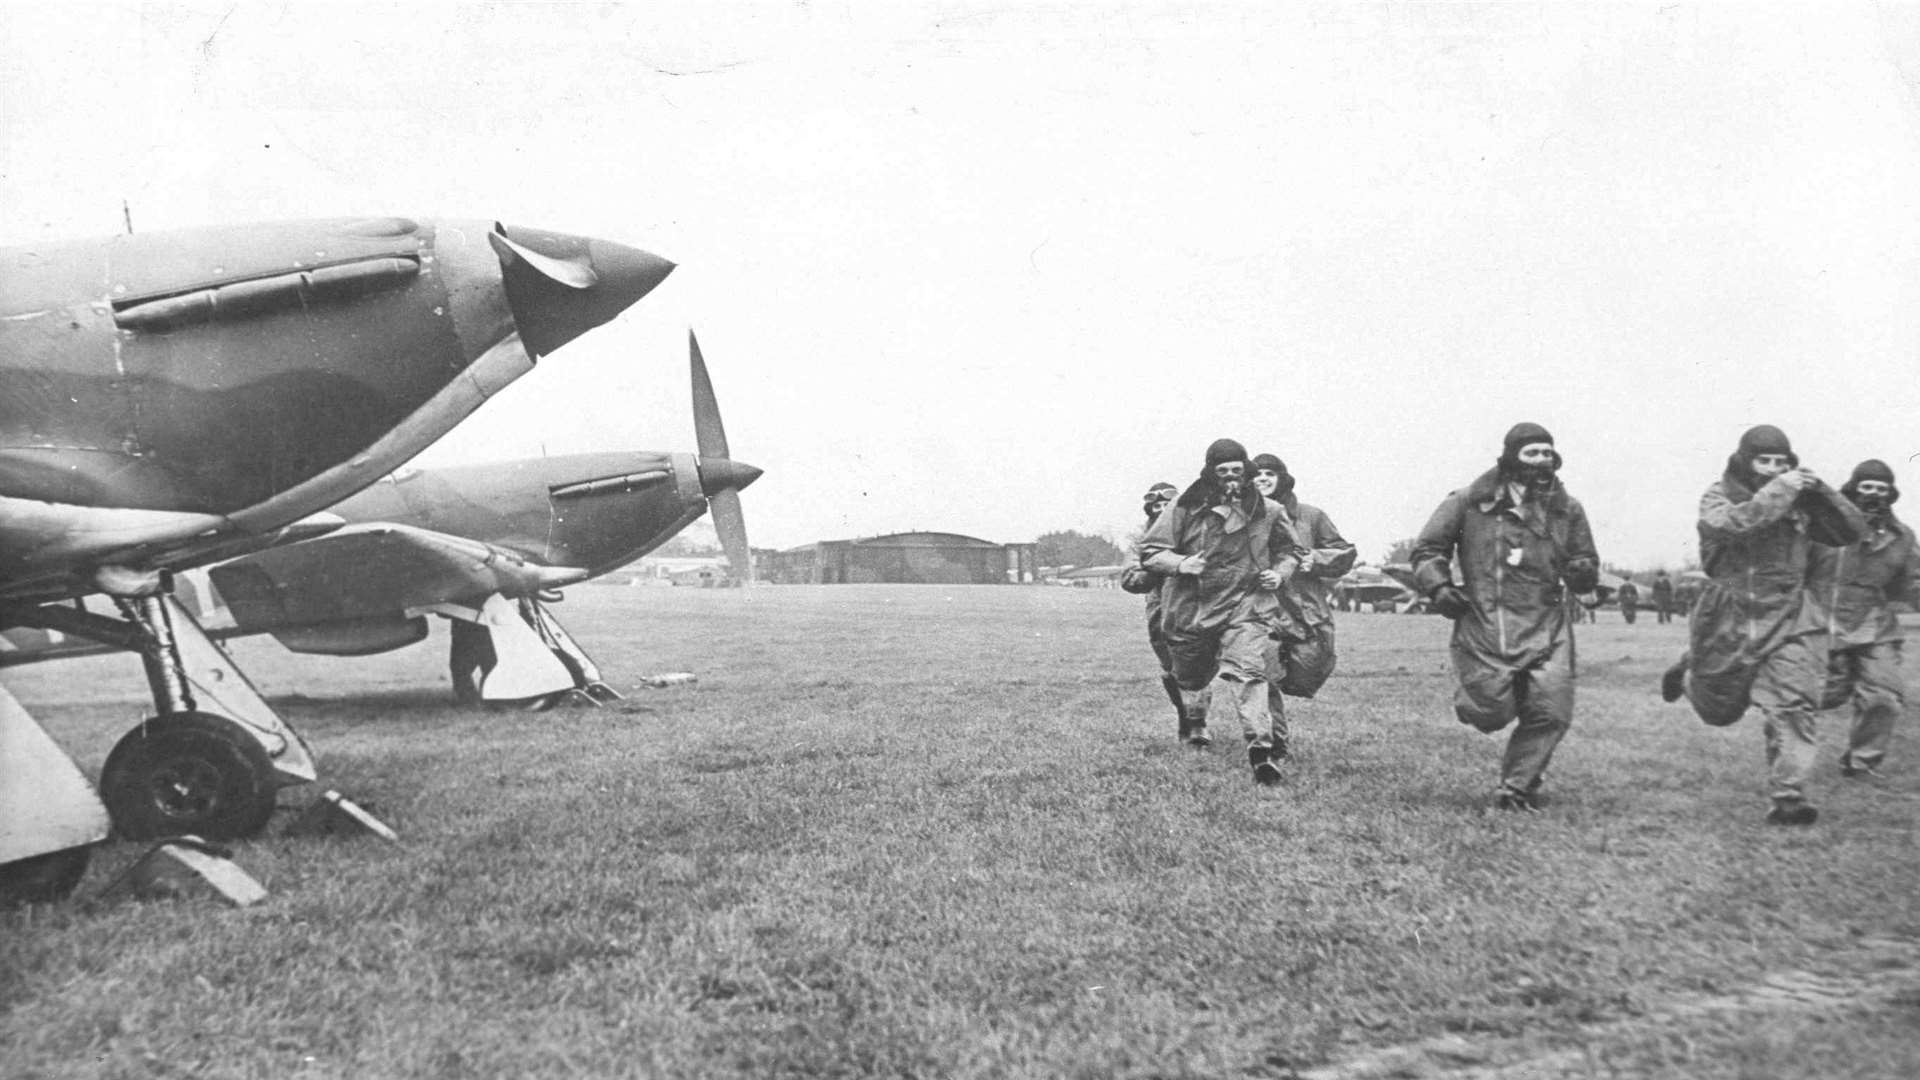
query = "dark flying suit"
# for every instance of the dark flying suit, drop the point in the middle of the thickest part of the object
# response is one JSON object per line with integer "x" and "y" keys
{"x": 1859, "y": 584}
{"x": 1629, "y": 600}
{"x": 1310, "y": 593}
{"x": 1139, "y": 580}
{"x": 1755, "y": 634}
{"x": 1513, "y": 647}
{"x": 1300, "y": 652}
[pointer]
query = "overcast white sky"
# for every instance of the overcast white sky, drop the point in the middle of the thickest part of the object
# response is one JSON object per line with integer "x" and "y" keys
{"x": 994, "y": 268}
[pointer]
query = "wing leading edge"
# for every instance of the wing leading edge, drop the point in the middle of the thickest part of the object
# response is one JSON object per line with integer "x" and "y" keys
{"x": 374, "y": 571}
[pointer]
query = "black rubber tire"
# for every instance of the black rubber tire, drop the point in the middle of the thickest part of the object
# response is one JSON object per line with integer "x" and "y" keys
{"x": 43, "y": 879}
{"x": 189, "y": 773}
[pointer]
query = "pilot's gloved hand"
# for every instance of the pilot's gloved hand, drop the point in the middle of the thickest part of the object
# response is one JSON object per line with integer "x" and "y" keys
{"x": 1450, "y": 601}
{"x": 1796, "y": 479}
{"x": 1193, "y": 565}
{"x": 1139, "y": 580}
{"x": 1583, "y": 574}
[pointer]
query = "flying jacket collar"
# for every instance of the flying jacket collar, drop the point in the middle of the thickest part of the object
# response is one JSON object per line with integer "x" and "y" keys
{"x": 1489, "y": 492}
{"x": 1890, "y": 529}
{"x": 1199, "y": 496}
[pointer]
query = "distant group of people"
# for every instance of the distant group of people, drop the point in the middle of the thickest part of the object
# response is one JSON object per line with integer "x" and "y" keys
{"x": 1796, "y": 613}
{"x": 1660, "y": 596}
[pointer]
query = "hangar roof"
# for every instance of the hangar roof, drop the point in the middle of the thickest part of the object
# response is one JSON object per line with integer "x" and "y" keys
{"x": 910, "y": 540}
{"x": 924, "y": 539}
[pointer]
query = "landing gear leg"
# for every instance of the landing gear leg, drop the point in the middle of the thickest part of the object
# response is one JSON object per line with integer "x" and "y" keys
{"x": 213, "y": 758}
{"x": 586, "y": 673}
{"x": 515, "y": 654}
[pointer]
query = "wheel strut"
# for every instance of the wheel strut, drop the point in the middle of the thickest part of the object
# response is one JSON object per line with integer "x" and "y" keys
{"x": 159, "y": 652}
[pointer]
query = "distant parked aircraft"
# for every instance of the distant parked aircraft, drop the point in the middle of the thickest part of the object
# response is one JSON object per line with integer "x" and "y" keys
{"x": 1372, "y": 586}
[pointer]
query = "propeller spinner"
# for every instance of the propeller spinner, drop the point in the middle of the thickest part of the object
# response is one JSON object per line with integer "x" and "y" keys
{"x": 720, "y": 477}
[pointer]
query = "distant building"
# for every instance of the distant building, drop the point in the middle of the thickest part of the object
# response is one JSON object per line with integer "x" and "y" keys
{"x": 705, "y": 577}
{"x": 702, "y": 570}
{"x": 915, "y": 558}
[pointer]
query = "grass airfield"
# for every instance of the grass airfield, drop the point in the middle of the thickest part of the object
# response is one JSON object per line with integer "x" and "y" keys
{"x": 946, "y": 832}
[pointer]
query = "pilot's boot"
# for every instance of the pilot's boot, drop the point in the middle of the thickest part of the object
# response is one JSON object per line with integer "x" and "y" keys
{"x": 1673, "y": 681}
{"x": 1265, "y": 763}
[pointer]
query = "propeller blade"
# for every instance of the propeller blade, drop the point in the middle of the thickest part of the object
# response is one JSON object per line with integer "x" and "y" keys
{"x": 731, "y": 523}
{"x": 720, "y": 478}
{"x": 708, "y": 432}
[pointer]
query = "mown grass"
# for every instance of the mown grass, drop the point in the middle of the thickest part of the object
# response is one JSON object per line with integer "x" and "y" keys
{"x": 917, "y": 831}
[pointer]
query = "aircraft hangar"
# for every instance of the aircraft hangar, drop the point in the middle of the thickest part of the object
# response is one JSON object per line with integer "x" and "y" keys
{"x": 908, "y": 558}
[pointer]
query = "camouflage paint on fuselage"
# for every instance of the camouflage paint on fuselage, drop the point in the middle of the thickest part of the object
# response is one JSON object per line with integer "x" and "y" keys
{"x": 593, "y": 511}
{"x": 209, "y": 374}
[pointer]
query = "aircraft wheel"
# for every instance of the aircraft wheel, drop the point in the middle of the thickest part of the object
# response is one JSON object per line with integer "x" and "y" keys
{"x": 188, "y": 773}
{"x": 43, "y": 879}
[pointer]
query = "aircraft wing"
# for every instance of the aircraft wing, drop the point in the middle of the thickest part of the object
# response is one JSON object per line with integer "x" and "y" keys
{"x": 373, "y": 571}
{"x": 1402, "y": 573}
{"x": 1372, "y": 592}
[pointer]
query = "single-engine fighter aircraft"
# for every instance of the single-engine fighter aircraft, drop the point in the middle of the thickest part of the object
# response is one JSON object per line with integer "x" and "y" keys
{"x": 171, "y": 399}
{"x": 1372, "y": 586}
{"x": 486, "y": 546}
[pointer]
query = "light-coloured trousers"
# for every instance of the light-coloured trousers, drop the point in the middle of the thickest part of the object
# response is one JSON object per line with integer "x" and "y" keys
{"x": 1231, "y": 660}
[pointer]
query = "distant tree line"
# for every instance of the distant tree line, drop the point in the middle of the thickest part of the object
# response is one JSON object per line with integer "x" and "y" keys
{"x": 689, "y": 545}
{"x": 1070, "y": 548}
